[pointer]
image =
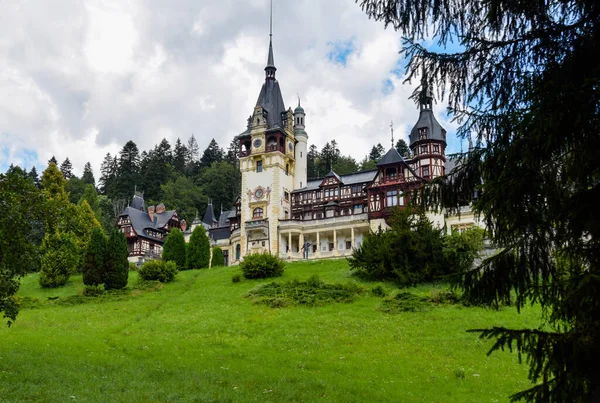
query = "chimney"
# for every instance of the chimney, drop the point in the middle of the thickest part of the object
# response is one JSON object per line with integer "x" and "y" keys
{"x": 151, "y": 213}
{"x": 160, "y": 208}
{"x": 183, "y": 225}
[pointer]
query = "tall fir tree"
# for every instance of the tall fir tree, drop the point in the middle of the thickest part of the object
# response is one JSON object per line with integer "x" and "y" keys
{"x": 180, "y": 152}
{"x": 128, "y": 176}
{"x": 212, "y": 153}
{"x": 88, "y": 175}
{"x": 311, "y": 162}
{"x": 53, "y": 159}
{"x": 525, "y": 82}
{"x": 198, "y": 249}
{"x": 174, "y": 248}
{"x": 108, "y": 176}
{"x": 93, "y": 261}
{"x": 33, "y": 176}
{"x": 116, "y": 265}
{"x": 67, "y": 169}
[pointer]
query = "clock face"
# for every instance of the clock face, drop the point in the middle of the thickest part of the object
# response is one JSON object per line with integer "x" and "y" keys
{"x": 258, "y": 193}
{"x": 257, "y": 143}
{"x": 291, "y": 146}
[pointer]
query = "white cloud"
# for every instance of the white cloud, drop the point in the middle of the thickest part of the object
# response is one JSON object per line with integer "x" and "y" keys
{"x": 79, "y": 78}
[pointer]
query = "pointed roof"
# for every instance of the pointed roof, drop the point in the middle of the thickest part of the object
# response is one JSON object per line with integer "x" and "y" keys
{"x": 391, "y": 157}
{"x": 209, "y": 216}
{"x": 270, "y": 60}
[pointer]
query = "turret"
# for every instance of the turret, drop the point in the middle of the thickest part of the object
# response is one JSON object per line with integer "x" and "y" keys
{"x": 301, "y": 147}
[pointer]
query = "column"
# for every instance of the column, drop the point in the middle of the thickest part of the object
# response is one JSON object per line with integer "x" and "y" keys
{"x": 352, "y": 237}
{"x": 289, "y": 243}
{"x": 318, "y": 253}
{"x": 335, "y": 246}
{"x": 301, "y": 245}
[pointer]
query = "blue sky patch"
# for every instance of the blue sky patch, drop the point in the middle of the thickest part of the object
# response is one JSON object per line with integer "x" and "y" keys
{"x": 340, "y": 50}
{"x": 25, "y": 158}
{"x": 388, "y": 87}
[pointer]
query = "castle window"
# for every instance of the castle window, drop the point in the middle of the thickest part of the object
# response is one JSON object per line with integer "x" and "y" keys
{"x": 423, "y": 133}
{"x": 300, "y": 154}
{"x": 257, "y": 121}
{"x": 287, "y": 169}
{"x": 423, "y": 149}
{"x": 259, "y": 166}
{"x": 286, "y": 196}
{"x": 237, "y": 251}
{"x": 392, "y": 198}
{"x": 257, "y": 213}
{"x": 426, "y": 171}
{"x": 436, "y": 148}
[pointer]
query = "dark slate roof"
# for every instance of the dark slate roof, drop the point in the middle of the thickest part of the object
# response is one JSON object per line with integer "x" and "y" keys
{"x": 331, "y": 173}
{"x": 271, "y": 100}
{"x": 434, "y": 129}
{"x": 391, "y": 157}
{"x": 348, "y": 179}
{"x": 209, "y": 216}
{"x": 224, "y": 218}
{"x": 138, "y": 203}
{"x": 219, "y": 233}
{"x": 140, "y": 220}
{"x": 270, "y": 60}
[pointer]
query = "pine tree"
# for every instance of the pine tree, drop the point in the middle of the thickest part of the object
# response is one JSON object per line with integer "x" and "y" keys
{"x": 525, "y": 83}
{"x": 193, "y": 153}
{"x": 213, "y": 153}
{"x": 198, "y": 249}
{"x": 179, "y": 157}
{"x": 403, "y": 148}
{"x": 93, "y": 262}
{"x": 311, "y": 162}
{"x": 88, "y": 175}
{"x": 53, "y": 159}
{"x": 33, "y": 175}
{"x": 108, "y": 176}
{"x": 376, "y": 153}
{"x": 67, "y": 169}
{"x": 128, "y": 173}
{"x": 174, "y": 248}
{"x": 116, "y": 265}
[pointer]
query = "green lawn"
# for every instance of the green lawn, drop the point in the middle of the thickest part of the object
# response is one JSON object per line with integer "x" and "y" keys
{"x": 198, "y": 339}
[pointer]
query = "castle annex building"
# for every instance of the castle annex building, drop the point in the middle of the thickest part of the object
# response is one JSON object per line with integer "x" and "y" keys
{"x": 282, "y": 212}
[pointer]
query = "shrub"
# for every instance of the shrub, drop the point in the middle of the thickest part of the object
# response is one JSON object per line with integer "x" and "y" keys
{"x": 378, "y": 291}
{"x": 133, "y": 266}
{"x": 198, "y": 256}
{"x": 409, "y": 253}
{"x": 217, "y": 257}
{"x": 158, "y": 270}
{"x": 262, "y": 266}
{"x": 59, "y": 260}
{"x": 174, "y": 248}
{"x": 236, "y": 278}
{"x": 461, "y": 249}
{"x": 116, "y": 265}
{"x": 93, "y": 260}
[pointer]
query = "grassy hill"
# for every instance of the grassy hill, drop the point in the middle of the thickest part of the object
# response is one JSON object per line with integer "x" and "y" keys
{"x": 198, "y": 339}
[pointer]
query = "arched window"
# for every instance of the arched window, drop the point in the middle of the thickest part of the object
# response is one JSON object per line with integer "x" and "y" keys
{"x": 257, "y": 213}
{"x": 238, "y": 250}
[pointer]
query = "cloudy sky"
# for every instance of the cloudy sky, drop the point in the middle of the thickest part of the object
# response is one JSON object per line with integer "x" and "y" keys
{"x": 79, "y": 78}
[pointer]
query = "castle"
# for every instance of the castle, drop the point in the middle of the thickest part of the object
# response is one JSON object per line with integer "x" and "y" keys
{"x": 282, "y": 212}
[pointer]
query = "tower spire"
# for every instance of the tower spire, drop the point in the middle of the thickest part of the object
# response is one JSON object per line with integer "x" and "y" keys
{"x": 392, "y": 129}
{"x": 270, "y": 69}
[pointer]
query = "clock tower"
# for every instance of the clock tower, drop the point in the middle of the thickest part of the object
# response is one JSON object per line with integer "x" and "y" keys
{"x": 268, "y": 163}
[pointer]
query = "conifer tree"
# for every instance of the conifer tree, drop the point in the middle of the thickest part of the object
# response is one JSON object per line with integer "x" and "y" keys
{"x": 93, "y": 262}
{"x": 525, "y": 82}
{"x": 198, "y": 249}
{"x": 218, "y": 259}
{"x": 174, "y": 248}
{"x": 53, "y": 159}
{"x": 179, "y": 156}
{"x": 88, "y": 175}
{"x": 33, "y": 175}
{"x": 116, "y": 265}
{"x": 67, "y": 169}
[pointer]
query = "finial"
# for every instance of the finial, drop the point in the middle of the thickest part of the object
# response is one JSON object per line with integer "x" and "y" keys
{"x": 392, "y": 128}
{"x": 271, "y": 21}
{"x": 298, "y": 99}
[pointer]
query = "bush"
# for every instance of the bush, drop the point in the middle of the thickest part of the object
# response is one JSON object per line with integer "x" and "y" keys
{"x": 198, "y": 256}
{"x": 133, "y": 266}
{"x": 158, "y": 270}
{"x": 174, "y": 248}
{"x": 378, "y": 291}
{"x": 461, "y": 249}
{"x": 262, "y": 266}
{"x": 409, "y": 253}
{"x": 59, "y": 260}
{"x": 236, "y": 278}
{"x": 217, "y": 257}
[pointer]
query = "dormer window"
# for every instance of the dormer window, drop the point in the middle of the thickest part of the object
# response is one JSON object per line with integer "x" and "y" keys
{"x": 423, "y": 133}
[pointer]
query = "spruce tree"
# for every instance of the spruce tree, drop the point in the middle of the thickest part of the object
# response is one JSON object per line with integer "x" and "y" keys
{"x": 524, "y": 81}
{"x": 116, "y": 265}
{"x": 174, "y": 248}
{"x": 67, "y": 169}
{"x": 88, "y": 175}
{"x": 93, "y": 262}
{"x": 198, "y": 249}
